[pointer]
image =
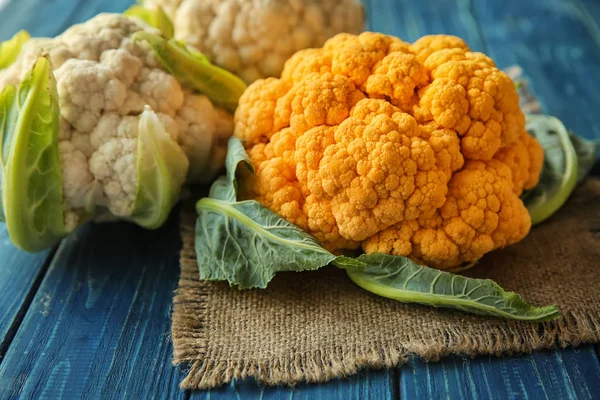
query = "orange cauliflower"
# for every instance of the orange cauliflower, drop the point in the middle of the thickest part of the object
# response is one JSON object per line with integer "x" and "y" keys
{"x": 418, "y": 150}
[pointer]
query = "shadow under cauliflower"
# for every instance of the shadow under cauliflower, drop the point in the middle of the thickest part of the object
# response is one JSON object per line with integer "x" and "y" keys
{"x": 417, "y": 150}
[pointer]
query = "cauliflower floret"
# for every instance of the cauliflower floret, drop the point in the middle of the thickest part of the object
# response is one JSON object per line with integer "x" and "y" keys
{"x": 417, "y": 150}
{"x": 114, "y": 164}
{"x": 86, "y": 89}
{"x": 525, "y": 158}
{"x": 255, "y": 118}
{"x": 254, "y": 38}
{"x": 159, "y": 90}
{"x": 482, "y": 213}
{"x": 206, "y": 151}
{"x": 76, "y": 174}
{"x": 104, "y": 82}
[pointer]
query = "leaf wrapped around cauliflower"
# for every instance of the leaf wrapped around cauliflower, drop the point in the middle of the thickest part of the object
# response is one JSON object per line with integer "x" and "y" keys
{"x": 417, "y": 150}
{"x": 253, "y": 39}
{"x": 128, "y": 133}
{"x": 30, "y": 171}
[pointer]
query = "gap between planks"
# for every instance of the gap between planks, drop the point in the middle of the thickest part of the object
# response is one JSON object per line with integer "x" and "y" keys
{"x": 6, "y": 341}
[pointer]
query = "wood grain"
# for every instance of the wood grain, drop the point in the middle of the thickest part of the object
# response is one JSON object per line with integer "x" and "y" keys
{"x": 567, "y": 374}
{"x": 368, "y": 384}
{"x": 410, "y": 20}
{"x": 556, "y": 43}
{"x": 99, "y": 323}
{"x": 20, "y": 274}
{"x": 50, "y": 18}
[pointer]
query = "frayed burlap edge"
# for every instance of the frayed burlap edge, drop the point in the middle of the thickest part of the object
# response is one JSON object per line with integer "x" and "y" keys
{"x": 208, "y": 369}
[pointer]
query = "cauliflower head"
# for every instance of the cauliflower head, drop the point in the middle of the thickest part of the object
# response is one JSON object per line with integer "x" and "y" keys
{"x": 418, "y": 150}
{"x": 254, "y": 38}
{"x": 104, "y": 82}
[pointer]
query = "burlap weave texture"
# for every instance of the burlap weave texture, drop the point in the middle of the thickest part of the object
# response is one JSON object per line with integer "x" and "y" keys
{"x": 315, "y": 326}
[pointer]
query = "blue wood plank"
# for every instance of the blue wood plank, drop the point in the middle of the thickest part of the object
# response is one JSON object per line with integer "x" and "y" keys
{"x": 558, "y": 48}
{"x": 410, "y": 20}
{"x": 566, "y": 374}
{"x": 368, "y": 384}
{"x": 99, "y": 324}
{"x": 20, "y": 272}
{"x": 402, "y": 23}
{"x": 49, "y": 18}
{"x": 589, "y": 11}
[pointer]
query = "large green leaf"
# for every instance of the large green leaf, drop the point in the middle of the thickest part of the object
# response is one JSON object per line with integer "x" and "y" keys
{"x": 560, "y": 171}
{"x": 401, "y": 279}
{"x": 193, "y": 70}
{"x": 31, "y": 176}
{"x": 10, "y": 49}
{"x": 161, "y": 170}
{"x": 246, "y": 244}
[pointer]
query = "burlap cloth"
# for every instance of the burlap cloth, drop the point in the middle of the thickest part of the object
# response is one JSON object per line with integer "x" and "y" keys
{"x": 315, "y": 326}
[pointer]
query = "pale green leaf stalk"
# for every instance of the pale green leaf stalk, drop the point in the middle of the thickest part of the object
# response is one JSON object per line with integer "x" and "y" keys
{"x": 193, "y": 70}
{"x": 161, "y": 170}
{"x": 560, "y": 172}
{"x": 31, "y": 175}
{"x": 154, "y": 17}
{"x": 401, "y": 279}
{"x": 245, "y": 244}
{"x": 10, "y": 49}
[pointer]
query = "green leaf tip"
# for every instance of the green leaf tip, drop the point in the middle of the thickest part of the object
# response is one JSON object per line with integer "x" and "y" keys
{"x": 403, "y": 280}
{"x": 10, "y": 49}
{"x": 161, "y": 169}
{"x": 31, "y": 174}
{"x": 193, "y": 70}
{"x": 154, "y": 17}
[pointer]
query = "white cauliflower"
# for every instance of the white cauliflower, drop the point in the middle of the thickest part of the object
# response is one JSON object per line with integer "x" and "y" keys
{"x": 105, "y": 81}
{"x": 254, "y": 38}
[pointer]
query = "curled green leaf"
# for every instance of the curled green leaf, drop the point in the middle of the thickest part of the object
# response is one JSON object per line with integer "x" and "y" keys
{"x": 401, "y": 279}
{"x": 10, "y": 49}
{"x": 193, "y": 70}
{"x": 225, "y": 188}
{"x": 161, "y": 170}
{"x": 587, "y": 154}
{"x": 155, "y": 17}
{"x": 31, "y": 175}
{"x": 559, "y": 174}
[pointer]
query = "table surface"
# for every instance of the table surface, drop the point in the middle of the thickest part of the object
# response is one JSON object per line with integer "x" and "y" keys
{"x": 91, "y": 318}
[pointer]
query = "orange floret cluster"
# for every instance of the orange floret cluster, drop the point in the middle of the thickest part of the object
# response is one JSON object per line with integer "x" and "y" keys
{"x": 418, "y": 150}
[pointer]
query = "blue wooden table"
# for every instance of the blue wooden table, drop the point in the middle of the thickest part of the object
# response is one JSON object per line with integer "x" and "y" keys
{"x": 91, "y": 318}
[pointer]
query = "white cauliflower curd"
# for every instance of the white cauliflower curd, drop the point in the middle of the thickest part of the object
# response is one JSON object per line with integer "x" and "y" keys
{"x": 254, "y": 38}
{"x": 111, "y": 86}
